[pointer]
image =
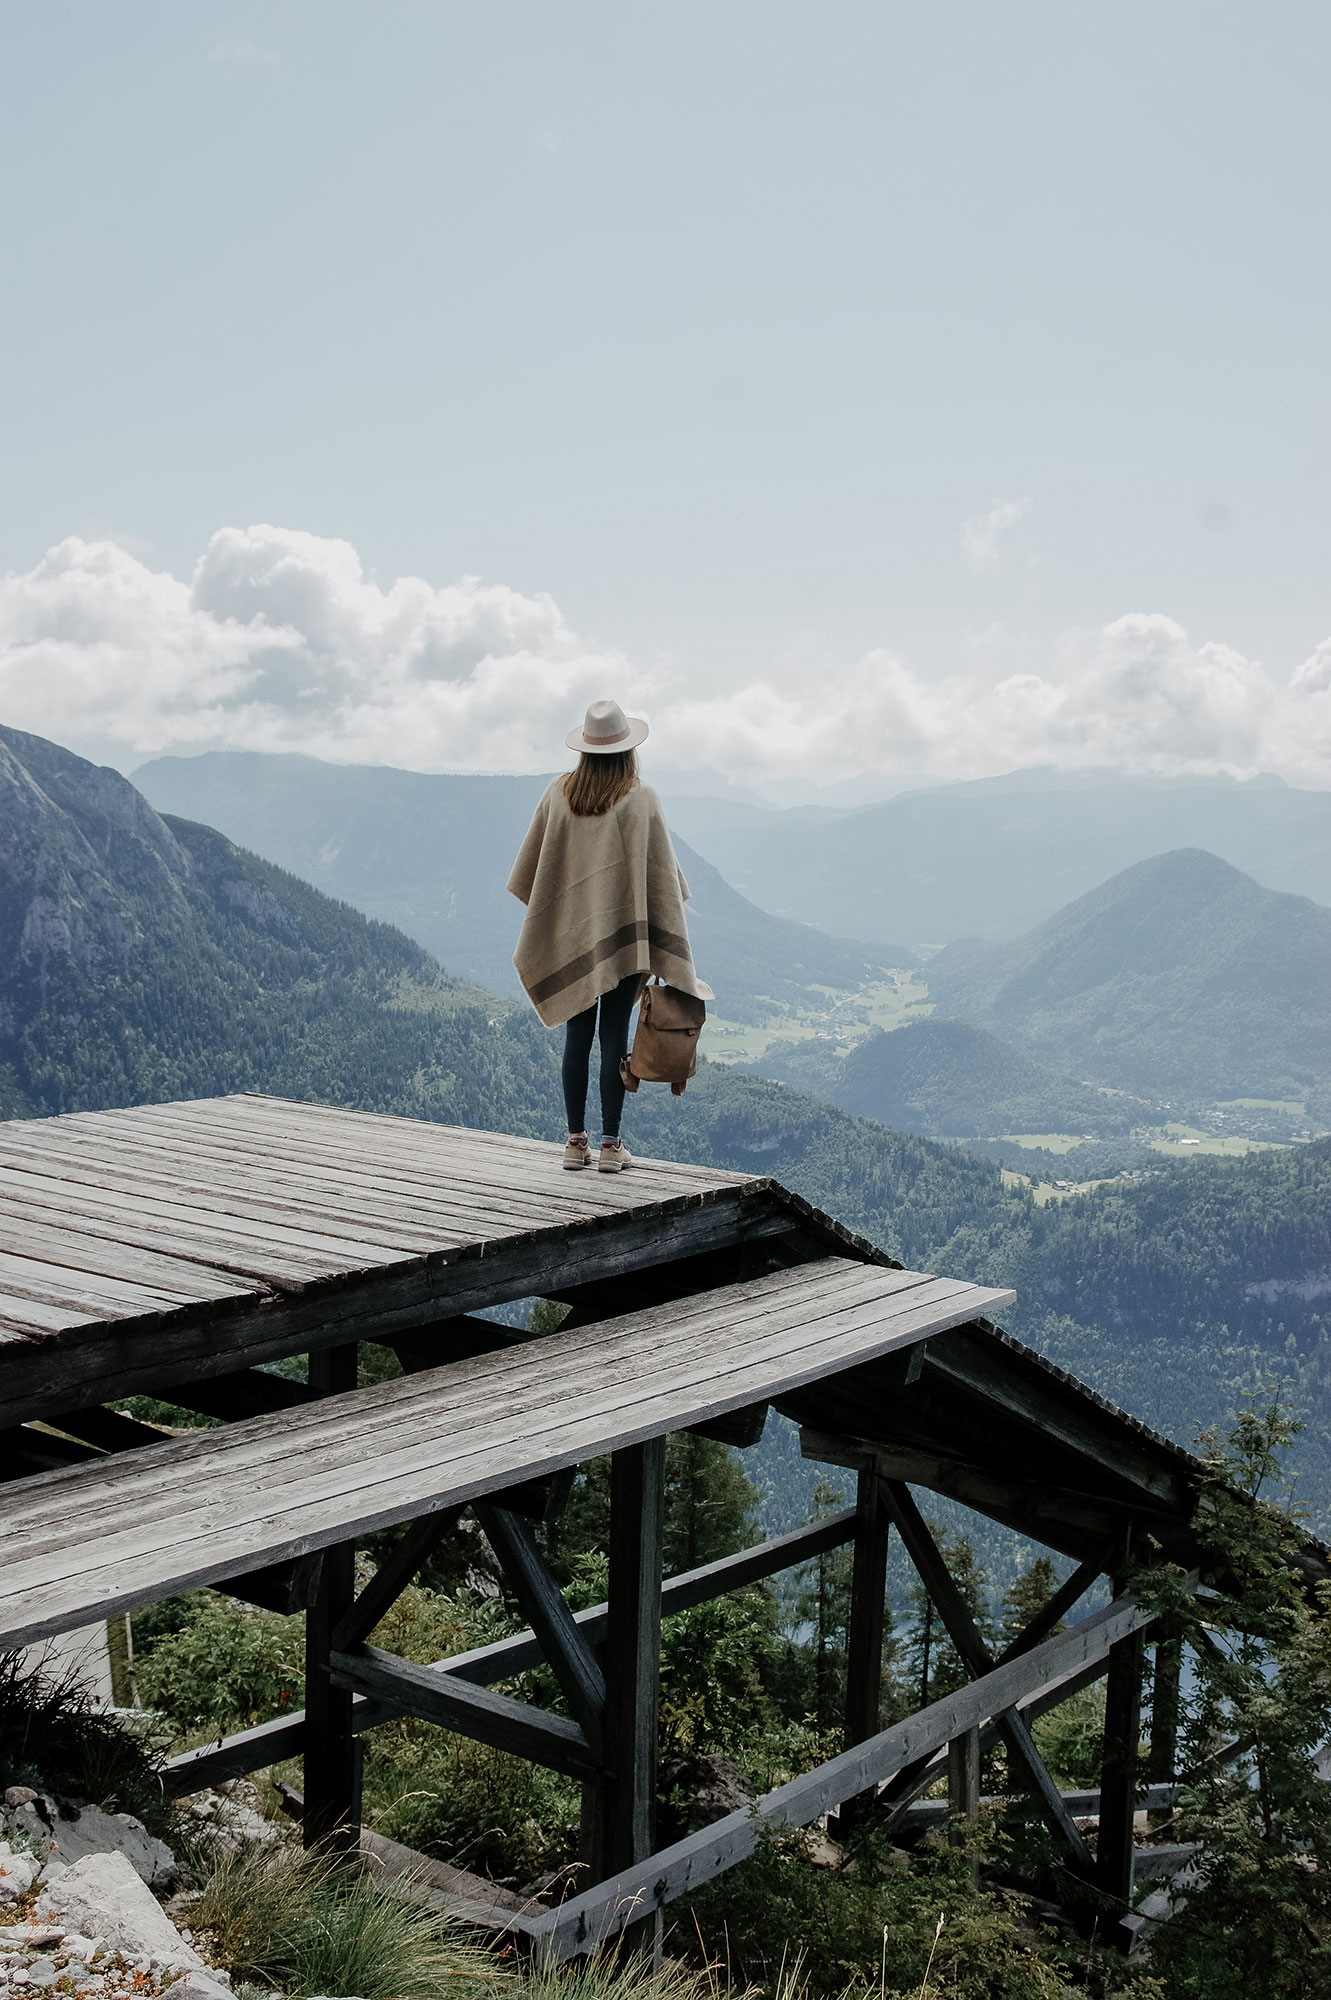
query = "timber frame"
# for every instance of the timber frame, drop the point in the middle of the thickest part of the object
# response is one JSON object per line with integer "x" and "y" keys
{"x": 176, "y": 1250}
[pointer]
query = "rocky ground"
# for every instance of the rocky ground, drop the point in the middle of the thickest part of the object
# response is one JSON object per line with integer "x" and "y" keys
{"x": 80, "y": 1902}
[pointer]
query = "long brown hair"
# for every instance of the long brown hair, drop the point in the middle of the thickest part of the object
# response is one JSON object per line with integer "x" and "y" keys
{"x": 601, "y": 780}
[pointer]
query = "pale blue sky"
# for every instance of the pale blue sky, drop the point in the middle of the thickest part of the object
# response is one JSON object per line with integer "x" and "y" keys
{"x": 716, "y": 321}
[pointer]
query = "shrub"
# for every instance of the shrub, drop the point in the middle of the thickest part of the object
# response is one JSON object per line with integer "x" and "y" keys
{"x": 224, "y": 1665}
{"x": 55, "y": 1738}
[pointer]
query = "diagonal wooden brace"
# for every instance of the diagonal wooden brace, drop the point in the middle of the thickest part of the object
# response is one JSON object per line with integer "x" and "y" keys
{"x": 571, "y": 1658}
{"x": 952, "y": 1609}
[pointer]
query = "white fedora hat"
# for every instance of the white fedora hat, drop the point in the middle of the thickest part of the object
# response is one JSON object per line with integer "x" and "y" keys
{"x": 606, "y": 729}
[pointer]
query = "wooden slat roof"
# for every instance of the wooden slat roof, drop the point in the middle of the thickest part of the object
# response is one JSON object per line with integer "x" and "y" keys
{"x": 129, "y": 1529}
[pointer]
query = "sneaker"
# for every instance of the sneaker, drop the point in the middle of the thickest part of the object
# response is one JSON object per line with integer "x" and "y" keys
{"x": 577, "y": 1153}
{"x": 615, "y": 1156}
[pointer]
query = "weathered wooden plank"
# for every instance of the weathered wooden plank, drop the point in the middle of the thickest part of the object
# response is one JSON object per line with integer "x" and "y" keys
{"x": 57, "y": 1285}
{"x": 791, "y": 1322}
{"x": 477, "y": 1712}
{"x": 369, "y": 1307}
{"x": 302, "y": 1195}
{"x": 28, "y": 1231}
{"x": 263, "y": 1503}
{"x": 485, "y": 1456}
{"x": 599, "y": 1913}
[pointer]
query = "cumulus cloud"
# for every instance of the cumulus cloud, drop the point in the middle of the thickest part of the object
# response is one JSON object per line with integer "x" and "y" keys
{"x": 980, "y": 533}
{"x": 279, "y": 641}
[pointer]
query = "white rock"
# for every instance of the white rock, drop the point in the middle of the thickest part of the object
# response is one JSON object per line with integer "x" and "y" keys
{"x": 103, "y": 1897}
{"x": 68, "y": 1838}
{"x": 200, "y": 1986}
{"x": 18, "y": 1872}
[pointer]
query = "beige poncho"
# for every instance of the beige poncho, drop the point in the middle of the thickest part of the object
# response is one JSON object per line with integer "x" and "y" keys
{"x": 605, "y": 897}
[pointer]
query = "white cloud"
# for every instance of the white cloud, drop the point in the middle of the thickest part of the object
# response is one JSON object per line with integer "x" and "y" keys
{"x": 280, "y": 642}
{"x": 980, "y": 533}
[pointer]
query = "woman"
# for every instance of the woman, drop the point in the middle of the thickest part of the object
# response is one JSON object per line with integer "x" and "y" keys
{"x": 605, "y": 909}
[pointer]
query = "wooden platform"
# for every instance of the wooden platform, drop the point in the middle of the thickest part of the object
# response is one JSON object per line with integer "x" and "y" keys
{"x": 196, "y": 1238}
{"x": 129, "y": 1529}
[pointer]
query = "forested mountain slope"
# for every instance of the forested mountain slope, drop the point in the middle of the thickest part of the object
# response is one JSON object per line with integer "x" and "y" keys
{"x": 1178, "y": 976}
{"x": 143, "y": 959}
{"x": 995, "y": 856}
{"x": 431, "y": 853}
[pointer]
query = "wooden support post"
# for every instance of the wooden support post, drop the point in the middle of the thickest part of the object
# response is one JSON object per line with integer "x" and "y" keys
{"x": 864, "y": 1650}
{"x": 963, "y": 1789}
{"x": 632, "y": 1666}
{"x": 1162, "y": 1765}
{"x": 1118, "y": 1775}
{"x": 332, "y": 1804}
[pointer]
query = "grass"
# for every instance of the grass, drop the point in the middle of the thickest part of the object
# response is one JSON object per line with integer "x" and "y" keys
{"x": 277, "y": 1917}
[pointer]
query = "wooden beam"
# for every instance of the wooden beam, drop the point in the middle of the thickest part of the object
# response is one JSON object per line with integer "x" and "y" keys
{"x": 625, "y": 1897}
{"x": 963, "y": 1790}
{"x": 864, "y": 1647}
{"x": 1098, "y": 1435}
{"x": 246, "y": 1392}
{"x": 391, "y": 1579}
{"x": 271, "y": 1742}
{"x": 952, "y": 1609}
{"x": 480, "y": 1713}
{"x": 563, "y": 1643}
{"x": 1162, "y": 1763}
{"x": 1118, "y": 1773}
{"x": 633, "y": 1665}
{"x": 332, "y": 1814}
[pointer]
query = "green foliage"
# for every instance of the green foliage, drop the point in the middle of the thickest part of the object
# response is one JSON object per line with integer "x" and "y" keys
{"x": 931, "y": 1664}
{"x": 55, "y": 1737}
{"x": 1026, "y": 1598}
{"x": 821, "y": 1606}
{"x": 222, "y": 1665}
{"x": 466, "y": 1803}
{"x": 1257, "y": 1921}
{"x": 873, "y": 1929}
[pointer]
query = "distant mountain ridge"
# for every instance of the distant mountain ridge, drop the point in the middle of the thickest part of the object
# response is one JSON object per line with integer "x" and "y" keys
{"x": 947, "y": 1079}
{"x": 994, "y": 857}
{"x": 1180, "y": 975}
{"x": 431, "y": 854}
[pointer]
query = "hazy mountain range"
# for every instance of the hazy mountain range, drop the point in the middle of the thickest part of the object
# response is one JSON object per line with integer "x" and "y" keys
{"x": 432, "y": 854}
{"x": 994, "y": 857}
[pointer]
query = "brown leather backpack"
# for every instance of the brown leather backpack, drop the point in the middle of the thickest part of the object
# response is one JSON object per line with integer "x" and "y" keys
{"x": 665, "y": 1046}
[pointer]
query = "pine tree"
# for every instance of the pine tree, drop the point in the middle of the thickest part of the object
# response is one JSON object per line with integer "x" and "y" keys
{"x": 934, "y": 1668}
{"x": 1028, "y": 1596}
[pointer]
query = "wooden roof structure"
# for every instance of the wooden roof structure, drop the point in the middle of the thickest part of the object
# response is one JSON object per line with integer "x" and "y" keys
{"x": 175, "y": 1250}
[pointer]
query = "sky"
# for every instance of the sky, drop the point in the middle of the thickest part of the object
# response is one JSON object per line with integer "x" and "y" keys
{"x": 860, "y": 391}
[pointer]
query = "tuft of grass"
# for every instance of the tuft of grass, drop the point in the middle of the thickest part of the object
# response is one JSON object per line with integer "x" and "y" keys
{"x": 299, "y": 1922}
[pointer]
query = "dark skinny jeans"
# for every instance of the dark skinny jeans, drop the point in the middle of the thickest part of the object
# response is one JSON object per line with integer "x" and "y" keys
{"x": 615, "y": 1008}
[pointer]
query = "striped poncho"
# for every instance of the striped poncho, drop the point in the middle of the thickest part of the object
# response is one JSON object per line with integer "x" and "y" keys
{"x": 605, "y": 897}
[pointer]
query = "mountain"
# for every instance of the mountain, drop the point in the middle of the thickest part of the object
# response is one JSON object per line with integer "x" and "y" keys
{"x": 144, "y": 958}
{"x": 431, "y": 854}
{"x": 1180, "y": 976}
{"x": 996, "y": 856}
{"x": 950, "y": 1080}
